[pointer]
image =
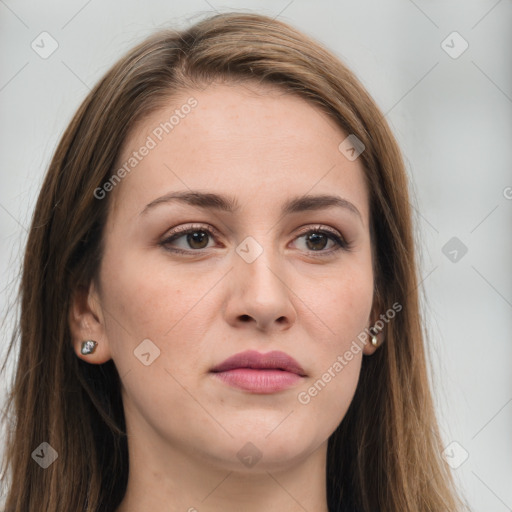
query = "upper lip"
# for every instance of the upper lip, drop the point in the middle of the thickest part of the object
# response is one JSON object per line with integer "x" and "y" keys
{"x": 252, "y": 359}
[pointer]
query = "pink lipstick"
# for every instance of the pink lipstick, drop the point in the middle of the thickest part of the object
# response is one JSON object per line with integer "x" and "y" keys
{"x": 260, "y": 373}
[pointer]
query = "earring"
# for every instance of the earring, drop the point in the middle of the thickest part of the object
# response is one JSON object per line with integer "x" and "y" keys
{"x": 375, "y": 341}
{"x": 88, "y": 347}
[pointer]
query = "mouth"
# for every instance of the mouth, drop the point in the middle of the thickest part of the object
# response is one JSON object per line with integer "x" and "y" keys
{"x": 260, "y": 373}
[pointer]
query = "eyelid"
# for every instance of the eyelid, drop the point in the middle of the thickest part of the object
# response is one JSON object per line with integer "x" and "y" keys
{"x": 190, "y": 227}
{"x": 320, "y": 227}
{"x": 205, "y": 227}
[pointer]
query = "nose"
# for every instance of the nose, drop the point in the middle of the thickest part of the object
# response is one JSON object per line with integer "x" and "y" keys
{"x": 259, "y": 295}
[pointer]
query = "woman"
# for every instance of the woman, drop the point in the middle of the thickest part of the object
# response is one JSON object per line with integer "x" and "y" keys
{"x": 219, "y": 303}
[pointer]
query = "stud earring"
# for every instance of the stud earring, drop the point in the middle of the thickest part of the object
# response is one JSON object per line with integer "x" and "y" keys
{"x": 375, "y": 341}
{"x": 88, "y": 347}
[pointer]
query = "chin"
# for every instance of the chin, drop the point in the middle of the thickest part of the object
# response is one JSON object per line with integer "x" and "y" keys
{"x": 256, "y": 452}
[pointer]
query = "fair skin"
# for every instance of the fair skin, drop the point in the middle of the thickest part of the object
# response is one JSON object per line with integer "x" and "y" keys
{"x": 185, "y": 426}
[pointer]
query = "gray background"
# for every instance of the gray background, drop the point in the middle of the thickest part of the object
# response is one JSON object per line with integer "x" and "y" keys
{"x": 451, "y": 116}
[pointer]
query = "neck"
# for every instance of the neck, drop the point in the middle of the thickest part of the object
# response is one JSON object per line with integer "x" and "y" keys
{"x": 170, "y": 479}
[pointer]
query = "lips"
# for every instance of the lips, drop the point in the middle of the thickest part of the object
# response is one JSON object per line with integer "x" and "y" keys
{"x": 260, "y": 373}
{"x": 275, "y": 360}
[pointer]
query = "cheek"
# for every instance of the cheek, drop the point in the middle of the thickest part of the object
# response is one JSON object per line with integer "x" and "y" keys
{"x": 343, "y": 308}
{"x": 341, "y": 301}
{"x": 148, "y": 300}
{"x": 142, "y": 300}
{"x": 338, "y": 356}
{"x": 328, "y": 397}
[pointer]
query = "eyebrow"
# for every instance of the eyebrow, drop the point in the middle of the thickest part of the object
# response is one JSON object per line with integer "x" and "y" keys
{"x": 229, "y": 204}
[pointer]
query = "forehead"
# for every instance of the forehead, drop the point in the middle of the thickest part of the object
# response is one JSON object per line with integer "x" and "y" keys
{"x": 254, "y": 142}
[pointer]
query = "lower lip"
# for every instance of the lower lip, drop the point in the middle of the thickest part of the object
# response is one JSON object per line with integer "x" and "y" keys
{"x": 259, "y": 381}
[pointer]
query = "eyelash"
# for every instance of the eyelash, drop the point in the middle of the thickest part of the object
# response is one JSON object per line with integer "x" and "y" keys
{"x": 182, "y": 231}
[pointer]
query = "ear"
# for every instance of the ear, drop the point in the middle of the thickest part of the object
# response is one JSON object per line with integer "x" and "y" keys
{"x": 86, "y": 322}
{"x": 370, "y": 349}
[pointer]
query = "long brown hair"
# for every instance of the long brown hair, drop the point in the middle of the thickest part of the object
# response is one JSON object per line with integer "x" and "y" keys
{"x": 386, "y": 453}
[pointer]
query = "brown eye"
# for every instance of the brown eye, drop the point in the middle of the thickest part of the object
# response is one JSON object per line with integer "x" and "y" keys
{"x": 196, "y": 239}
{"x": 317, "y": 240}
{"x": 187, "y": 240}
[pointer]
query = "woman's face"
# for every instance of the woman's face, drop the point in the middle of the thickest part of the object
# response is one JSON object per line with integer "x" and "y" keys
{"x": 260, "y": 270}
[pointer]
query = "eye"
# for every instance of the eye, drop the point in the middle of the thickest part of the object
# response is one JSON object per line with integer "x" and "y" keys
{"x": 317, "y": 239}
{"x": 196, "y": 238}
